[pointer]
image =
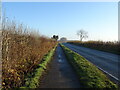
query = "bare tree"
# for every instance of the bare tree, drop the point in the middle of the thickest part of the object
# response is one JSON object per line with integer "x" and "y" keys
{"x": 82, "y": 34}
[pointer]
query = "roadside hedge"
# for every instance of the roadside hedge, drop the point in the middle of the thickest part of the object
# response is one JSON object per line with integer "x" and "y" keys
{"x": 32, "y": 80}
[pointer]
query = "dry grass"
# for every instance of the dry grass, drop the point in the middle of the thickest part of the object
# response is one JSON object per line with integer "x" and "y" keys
{"x": 22, "y": 51}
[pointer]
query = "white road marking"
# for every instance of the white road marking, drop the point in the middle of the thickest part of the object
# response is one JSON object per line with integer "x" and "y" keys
{"x": 103, "y": 70}
{"x": 108, "y": 74}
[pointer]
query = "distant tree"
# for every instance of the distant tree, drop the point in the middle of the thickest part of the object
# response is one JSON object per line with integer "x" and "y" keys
{"x": 82, "y": 34}
{"x": 55, "y": 37}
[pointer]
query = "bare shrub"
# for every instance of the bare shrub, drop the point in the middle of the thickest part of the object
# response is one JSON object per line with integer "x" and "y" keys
{"x": 21, "y": 52}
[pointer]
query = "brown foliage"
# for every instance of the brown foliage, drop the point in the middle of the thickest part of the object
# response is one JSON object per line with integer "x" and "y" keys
{"x": 21, "y": 53}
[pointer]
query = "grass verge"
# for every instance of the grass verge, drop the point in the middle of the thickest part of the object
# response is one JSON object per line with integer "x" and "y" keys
{"x": 89, "y": 75}
{"x": 32, "y": 80}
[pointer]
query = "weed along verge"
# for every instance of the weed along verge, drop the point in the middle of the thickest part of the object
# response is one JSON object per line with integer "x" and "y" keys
{"x": 32, "y": 80}
{"x": 89, "y": 75}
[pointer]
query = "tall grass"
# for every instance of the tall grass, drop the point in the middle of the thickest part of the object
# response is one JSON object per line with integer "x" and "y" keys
{"x": 22, "y": 51}
{"x": 112, "y": 47}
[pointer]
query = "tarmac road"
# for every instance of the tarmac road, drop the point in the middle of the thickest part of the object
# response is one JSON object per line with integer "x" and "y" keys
{"x": 107, "y": 62}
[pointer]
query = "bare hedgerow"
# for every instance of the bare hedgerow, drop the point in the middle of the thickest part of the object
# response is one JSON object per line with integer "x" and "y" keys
{"x": 22, "y": 51}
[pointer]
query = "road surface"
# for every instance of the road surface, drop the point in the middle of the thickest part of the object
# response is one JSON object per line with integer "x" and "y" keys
{"x": 107, "y": 62}
{"x": 60, "y": 74}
